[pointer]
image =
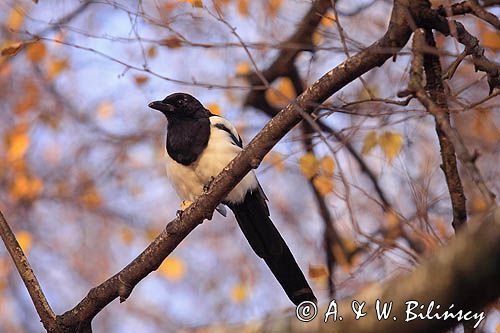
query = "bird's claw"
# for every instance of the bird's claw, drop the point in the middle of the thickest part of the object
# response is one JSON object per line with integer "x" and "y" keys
{"x": 184, "y": 205}
{"x": 206, "y": 187}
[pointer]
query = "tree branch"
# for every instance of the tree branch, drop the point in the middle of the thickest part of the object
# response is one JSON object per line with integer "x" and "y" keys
{"x": 435, "y": 87}
{"x": 42, "y": 307}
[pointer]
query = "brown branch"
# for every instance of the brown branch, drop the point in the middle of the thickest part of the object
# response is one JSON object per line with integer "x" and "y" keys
{"x": 432, "y": 20}
{"x": 435, "y": 88}
{"x": 120, "y": 285}
{"x": 472, "y": 7}
{"x": 416, "y": 88}
{"x": 42, "y": 307}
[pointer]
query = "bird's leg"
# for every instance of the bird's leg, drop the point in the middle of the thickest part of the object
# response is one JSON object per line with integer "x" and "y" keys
{"x": 184, "y": 205}
{"x": 206, "y": 187}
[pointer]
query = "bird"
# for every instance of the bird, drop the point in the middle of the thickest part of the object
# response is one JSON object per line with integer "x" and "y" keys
{"x": 199, "y": 145}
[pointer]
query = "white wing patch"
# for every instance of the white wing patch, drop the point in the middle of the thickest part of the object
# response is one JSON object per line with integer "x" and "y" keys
{"x": 221, "y": 149}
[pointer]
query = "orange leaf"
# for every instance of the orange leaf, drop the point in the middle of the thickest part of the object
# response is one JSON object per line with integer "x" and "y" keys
{"x": 127, "y": 235}
{"x": 152, "y": 52}
{"x": 369, "y": 142}
{"x": 91, "y": 197}
{"x": 25, "y": 240}
{"x": 140, "y": 79}
{"x": 173, "y": 268}
{"x": 391, "y": 143}
{"x": 243, "y": 68}
{"x": 214, "y": 108}
{"x": 317, "y": 271}
{"x": 328, "y": 20}
{"x": 16, "y": 18}
{"x": 239, "y": 293}
{"x": 172, "y": 42}
{"x": 327, "y": 166}
{"x": 105, "y": 110}
{"x": 36, "y": 52}
{"x": 309, "y": 165}
{"x": 323, "y": 184}
{"x": 282, "y": 95}
{"x": 11, "y": 49}
{"x": 56, "y": 66}
{"x": 243, "y": 7}
{"x": 18, "y": 142}
{"x": 25, "y": 187}
{"x": 273, "y": 7}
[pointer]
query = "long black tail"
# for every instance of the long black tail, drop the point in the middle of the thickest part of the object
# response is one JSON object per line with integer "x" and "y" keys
{"x": 253, "y": 218}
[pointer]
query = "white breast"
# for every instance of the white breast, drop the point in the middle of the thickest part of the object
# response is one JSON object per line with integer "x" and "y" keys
{"x": 189, "y": 180}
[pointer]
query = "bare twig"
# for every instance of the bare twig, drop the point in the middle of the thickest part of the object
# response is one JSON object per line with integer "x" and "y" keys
{"x": 42, "y": 307}
{"x": 416, "y": 87}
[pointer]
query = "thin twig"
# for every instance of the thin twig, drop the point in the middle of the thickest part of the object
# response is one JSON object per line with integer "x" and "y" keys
{"x": 42, "y": 307}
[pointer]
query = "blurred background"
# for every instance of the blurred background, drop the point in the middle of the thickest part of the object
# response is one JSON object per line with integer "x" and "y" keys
{"x": 82, "y": 179}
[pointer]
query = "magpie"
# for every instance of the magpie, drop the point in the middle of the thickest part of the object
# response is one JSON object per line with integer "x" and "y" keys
{"x": 199, "y": 145}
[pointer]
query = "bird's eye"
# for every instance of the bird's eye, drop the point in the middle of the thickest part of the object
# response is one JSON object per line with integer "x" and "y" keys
{"x": 180, "y": 102}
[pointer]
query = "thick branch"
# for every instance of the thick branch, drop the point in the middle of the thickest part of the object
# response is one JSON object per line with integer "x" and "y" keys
{"x": 121, "y": 284}
{"x": 42, "y": 307}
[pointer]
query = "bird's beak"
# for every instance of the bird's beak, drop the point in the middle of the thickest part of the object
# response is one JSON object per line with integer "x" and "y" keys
{"x": 161, "y": 106}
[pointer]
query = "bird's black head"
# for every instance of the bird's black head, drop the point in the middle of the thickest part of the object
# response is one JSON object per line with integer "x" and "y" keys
{"x": 180, "y": 106}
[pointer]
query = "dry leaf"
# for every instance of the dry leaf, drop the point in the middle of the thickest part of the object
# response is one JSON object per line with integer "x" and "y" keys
{"x": 25, "y": 187}
{"x": 369, "y": 142}
{"x": 18, "y": 142}
{"x": 309, "y": 165}
{"x": 25, "y": 240}
{"x": 328, "y": 20}
{"x": 11, "y": 49}
{"x": 140, "y": 79}
{"x": 327, "y": 166}
{"x": 282, "y": 95}
{"x": 172, "y": 42}
{"x": 152, "y": 52}
{"x": 317, "y": 38}
{"x": 55, "y": 67}
{"x": 273, "y": 7}
{"x": 91, "y": 198}
{"x": 16, "y": 18}
{"x": 391, "y": 143}
{"x": 340, "y": 258}
{"x": 243, "y": 68}
{"x": 127, "y": 235}
{"x": 317, "y": 271}
{"x": 214, "y": 108}
{"x": 105, "y": 110}
{"x": 36, "y": 52}
{"x": 194, "y": 3}
{"x": 243, "y": 7}
{"x": 173, "y": 268}
{"x": 239, "y": 293}
{"x": 323, "y": 184}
